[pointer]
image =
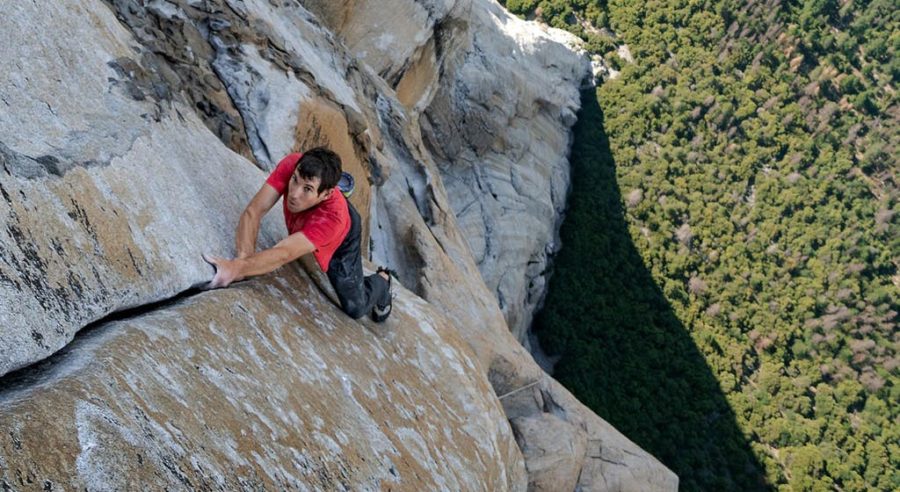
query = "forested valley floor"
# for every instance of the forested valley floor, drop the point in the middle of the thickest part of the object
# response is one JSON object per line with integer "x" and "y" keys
{"x": 728, "y": 290}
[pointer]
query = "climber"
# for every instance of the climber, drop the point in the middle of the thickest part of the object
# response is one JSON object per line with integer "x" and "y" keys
{"x": 319, "y": 220}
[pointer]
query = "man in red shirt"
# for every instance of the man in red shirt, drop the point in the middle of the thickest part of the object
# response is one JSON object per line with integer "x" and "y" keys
{"x": 319, "y": 220}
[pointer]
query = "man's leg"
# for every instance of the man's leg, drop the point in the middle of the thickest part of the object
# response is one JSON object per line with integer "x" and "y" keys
{"x": 357, "y": 294}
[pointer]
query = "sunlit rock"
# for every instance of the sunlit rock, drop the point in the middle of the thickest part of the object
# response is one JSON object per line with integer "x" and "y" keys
{"x": 132, "y": 136}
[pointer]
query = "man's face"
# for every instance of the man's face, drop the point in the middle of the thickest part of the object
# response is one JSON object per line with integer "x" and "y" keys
{"x": 302, "y": 193}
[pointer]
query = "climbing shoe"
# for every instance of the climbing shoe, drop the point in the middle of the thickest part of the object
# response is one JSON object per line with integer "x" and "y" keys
{"x": 381, "y": 311}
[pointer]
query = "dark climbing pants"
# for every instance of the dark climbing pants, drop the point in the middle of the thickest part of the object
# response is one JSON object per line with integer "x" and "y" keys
{"x": 358, "y": 295}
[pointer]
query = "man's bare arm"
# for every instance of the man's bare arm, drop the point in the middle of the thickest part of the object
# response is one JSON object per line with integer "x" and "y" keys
{"x": 248, "y": 226}
{"x": 265, "y": 261}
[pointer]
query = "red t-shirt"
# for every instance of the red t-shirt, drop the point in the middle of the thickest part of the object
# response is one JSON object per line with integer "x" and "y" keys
{"x": 325, "y": 225}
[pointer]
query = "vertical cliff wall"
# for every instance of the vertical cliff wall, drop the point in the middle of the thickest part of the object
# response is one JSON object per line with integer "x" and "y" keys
{"x": 494, "y": 98}
{"x": 498, "y": 127}
{"x": 125, "y": 133}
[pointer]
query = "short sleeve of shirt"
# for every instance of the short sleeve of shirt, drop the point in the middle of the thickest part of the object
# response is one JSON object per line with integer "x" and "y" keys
{"x": 281, "y": 175}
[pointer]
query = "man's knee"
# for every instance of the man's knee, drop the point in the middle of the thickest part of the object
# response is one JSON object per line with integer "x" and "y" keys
{"x": 353, "y": 309}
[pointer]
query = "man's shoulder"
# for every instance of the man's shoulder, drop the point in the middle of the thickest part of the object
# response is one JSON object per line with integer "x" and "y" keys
{"x": 291, "y": 160}
{"x": 327, "y": 222}
{"x": 337, "y": 205}
{"x": 279, "y": 177}
{"x": 334, "y": 206}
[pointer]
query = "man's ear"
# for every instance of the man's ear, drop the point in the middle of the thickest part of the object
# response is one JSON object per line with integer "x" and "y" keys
{"x": 326, "y": 194}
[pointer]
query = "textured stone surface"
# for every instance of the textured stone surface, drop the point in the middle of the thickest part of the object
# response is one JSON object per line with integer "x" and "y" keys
{"x": 422, "y": 238}
{"x": 114, "y": 182}
{"x": 610, "y": 460}
{"x": 494, "y": 98}
{"x": 262, "y": 386}
{"x": 110, "y": 193}
{"x": 499, "y": 130}
{"x": 389, "y": 35}
{"x": 553, "y": 451}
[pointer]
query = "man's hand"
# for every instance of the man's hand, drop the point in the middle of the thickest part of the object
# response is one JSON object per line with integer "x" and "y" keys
{"x": 227, "y": 271}
{"x": 265, "y": 261}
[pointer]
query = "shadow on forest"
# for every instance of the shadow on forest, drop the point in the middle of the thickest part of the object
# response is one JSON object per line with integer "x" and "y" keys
{"x": 623, "y": 351}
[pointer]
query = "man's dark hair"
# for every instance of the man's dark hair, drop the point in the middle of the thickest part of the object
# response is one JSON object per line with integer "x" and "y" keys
{"x": 323, "y": 164}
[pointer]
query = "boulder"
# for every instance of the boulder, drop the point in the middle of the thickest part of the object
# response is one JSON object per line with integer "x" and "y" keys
{"x": 553, "y": 450}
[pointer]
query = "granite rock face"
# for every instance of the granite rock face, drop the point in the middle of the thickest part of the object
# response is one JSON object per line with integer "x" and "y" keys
{"x": 423, "y": 238}
{"x": 107, "y": 182}
{"x": 125, "y": 134}
{"x": 553, "y": 449}
{"x": 499, "y": 129}
{"x": 496, "y": 97}
{"x": 256, "y": 387}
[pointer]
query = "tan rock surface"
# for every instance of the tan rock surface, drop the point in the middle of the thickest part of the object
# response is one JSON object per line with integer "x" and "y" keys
{"x": 554, "y": 451}
{"x": 388, "y": 35}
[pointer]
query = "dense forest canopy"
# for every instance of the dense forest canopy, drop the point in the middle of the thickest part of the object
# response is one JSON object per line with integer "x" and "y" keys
{"x": 735, "y": 199}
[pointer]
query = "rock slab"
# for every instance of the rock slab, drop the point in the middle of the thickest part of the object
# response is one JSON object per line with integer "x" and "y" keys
{"x": 266, "y": 386}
